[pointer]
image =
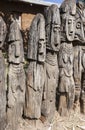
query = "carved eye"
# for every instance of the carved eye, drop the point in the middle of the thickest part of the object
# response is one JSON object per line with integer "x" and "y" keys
{"x": 69, "y": 21}
{"x": 78, "y": 26}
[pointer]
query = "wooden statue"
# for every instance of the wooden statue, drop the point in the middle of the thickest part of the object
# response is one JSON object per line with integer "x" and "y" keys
{"x": 66, "y": 81}
{"x": 16, "y": 79}
{"x": 35, "y": 72}
{"x": 79, "y": 49}
{"x": 51, "y": 63}
{"x": 3, "y": 32}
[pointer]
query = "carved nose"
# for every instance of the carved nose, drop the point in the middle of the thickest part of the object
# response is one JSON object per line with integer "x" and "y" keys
{"x": 75, "y": 36}
{"x": 71, "y": 32}
{"x": 41, "y": 52}
{"x": 56, "y": 44}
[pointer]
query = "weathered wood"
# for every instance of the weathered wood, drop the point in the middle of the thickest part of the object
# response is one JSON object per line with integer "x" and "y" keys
{"x": 79, "y": 41}
{"x": 3, "y": 31}
{"x": 66, "y": 81}
{"x": 35, "y": 73}
{"x": 16, "y": 78}
{"x": 51, "y": 64}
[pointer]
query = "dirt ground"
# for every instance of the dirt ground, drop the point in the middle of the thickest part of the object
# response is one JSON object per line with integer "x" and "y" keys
{"x": 74, "y": 121}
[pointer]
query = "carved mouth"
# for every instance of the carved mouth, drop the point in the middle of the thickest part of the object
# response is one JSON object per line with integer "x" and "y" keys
{"x": 70, "y": 34}
{"x": 41, "y": 53}
{"x": 56, "y": 45}
{"x": 76, "y": 36}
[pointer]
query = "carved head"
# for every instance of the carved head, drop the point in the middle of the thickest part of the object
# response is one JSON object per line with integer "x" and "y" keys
{"x": 53, "y": 28}
{"x": 70, "y": 27}
{"x": 80, "y": 30}
{"x": 36, "y": 41}
{"x": 16, "y": 52}
{"x": 80, "y": 26}
{"x": 68, "y": 11}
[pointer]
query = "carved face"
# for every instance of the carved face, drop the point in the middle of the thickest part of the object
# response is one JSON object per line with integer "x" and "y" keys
{"x": 36, "y": 41}
{"x": 15, "y": 52}
{"x": 53, "y": 28}
{"x": 55, "y": 36}
{"x": 70, "y": 27}
{"x": 41, "y": 50}
{"x": 79, "y": 33}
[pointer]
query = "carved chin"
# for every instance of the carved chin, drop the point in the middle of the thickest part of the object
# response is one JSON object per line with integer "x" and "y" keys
{"x": 54, "y": 47}
{"x": 41, "y": 57}
{"x": 79, "y": 38}
{"x": 70, "y": 38}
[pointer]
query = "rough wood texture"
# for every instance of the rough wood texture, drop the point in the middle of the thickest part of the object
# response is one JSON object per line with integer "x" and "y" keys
{"x": 79, "y": 50}
{"x": 66, "y": 81}
{"x": 51, "y": 64}
{"x": 2, "y": 76}
{"x": 16, "y": 78}
{"x": 55, "y": 77}
{"x": 35, "y": 73}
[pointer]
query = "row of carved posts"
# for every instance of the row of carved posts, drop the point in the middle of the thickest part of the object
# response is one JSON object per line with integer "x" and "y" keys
{"x": 56, "y": 65}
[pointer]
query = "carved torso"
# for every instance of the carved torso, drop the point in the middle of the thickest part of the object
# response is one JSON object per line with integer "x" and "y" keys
{"x": 51, "y": 58}
{"x": 66, "y": 59}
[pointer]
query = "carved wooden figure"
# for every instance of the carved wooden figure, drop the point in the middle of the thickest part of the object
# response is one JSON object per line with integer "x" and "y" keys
{"x": 3, "y": 32}
{"x": 16, "y": 80}
{"x": 79, "y": 41}
{"x": 35, "y": 72}
{"x": 51, "y": 63}
{"x": 66, "y": 81}
{"x": 81, "y": 12}
{"x": 79, "y": 49}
